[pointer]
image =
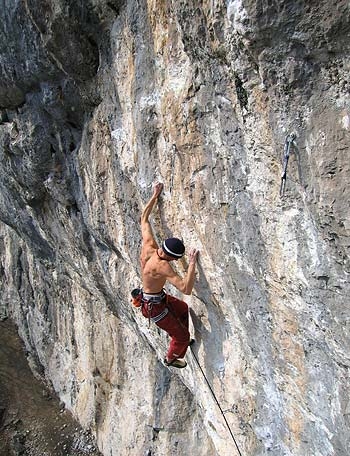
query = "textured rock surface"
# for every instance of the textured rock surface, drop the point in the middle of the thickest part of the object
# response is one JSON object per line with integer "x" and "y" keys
{"x": 100, "y": 99}
{"x": 32, "y": 420}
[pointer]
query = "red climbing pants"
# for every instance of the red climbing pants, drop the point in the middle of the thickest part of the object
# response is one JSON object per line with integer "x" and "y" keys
{"x": 175, "y": 323}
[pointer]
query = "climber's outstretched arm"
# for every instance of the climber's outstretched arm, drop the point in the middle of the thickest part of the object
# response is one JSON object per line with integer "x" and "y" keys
{"x": 185, "y": 284}
{"x": 146, "y": 229}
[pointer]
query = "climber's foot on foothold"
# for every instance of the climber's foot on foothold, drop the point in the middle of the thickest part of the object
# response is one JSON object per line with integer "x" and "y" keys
{"x": 179, "y": 363}
{"x": 191, "y": 342}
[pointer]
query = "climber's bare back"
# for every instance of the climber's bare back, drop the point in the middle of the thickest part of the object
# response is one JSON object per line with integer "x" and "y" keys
{"x": 154, "y": 271}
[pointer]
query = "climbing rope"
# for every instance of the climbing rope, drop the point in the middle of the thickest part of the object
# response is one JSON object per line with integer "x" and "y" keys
{"x": 171, "y": 310}
{"x": 289, "y": 140}
{"x": 217, "y": 402}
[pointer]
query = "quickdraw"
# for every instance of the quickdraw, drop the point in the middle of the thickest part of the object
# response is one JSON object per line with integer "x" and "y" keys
{"x": 287, "y": 145}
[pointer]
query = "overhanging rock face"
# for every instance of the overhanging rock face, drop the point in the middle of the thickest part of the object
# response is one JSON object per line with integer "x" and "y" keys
{"x": 98, "y": 101}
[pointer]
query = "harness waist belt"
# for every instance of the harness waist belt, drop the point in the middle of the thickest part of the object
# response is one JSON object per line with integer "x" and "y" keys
{"x": 155, "y": 298}
{"x": 160, "y": 316}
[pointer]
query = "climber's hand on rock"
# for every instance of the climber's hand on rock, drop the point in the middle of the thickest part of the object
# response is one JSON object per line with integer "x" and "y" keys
{"x": 157, "y": 189}
{"x": 193, "y": 255}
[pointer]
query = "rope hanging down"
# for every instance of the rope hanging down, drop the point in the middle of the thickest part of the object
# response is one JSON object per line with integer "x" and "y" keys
{"x": 210, "y": 388}
{"x": 217, "y": 402}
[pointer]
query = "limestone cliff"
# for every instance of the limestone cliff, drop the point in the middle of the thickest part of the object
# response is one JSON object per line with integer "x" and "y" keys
{"x": 101, "y": 98}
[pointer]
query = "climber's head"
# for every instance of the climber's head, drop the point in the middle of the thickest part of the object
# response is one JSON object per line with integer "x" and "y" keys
{"x": 173, "y": 248}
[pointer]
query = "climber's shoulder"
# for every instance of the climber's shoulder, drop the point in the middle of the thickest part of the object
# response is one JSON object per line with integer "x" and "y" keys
{"x": 148, "y": 250}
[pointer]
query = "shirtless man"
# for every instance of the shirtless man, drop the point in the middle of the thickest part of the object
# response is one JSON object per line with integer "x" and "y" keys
{"x": 167, "y": 312}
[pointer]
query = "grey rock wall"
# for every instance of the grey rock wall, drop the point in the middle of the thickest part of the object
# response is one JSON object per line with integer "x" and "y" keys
{"x": 98, "y": 100}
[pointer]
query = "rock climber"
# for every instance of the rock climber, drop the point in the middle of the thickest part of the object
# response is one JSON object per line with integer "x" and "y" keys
{"x": 166, "y": 311}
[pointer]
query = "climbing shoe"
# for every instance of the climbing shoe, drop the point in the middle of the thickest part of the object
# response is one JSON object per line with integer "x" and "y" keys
{"x": 179, "y": 363}
{"x": 191, "y": 342}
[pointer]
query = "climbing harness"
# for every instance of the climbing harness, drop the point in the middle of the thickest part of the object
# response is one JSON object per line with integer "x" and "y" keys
{"x": 147, "y": 301}
{"x": 289, "y": 141}
{"x": 217, "y": 402}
